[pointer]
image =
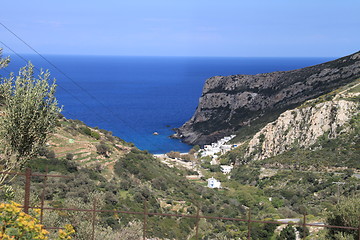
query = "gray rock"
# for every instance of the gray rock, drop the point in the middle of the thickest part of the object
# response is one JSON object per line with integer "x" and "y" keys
{"x": 231, "y": 102}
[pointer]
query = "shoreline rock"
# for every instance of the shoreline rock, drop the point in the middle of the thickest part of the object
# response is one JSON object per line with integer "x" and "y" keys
{"x": 231, "y": 102}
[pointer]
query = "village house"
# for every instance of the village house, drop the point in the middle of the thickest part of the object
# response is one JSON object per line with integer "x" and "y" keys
{"x": 226, "y": 169}
{"x": 213, "y": 183}
{"x": 220, "y": 147}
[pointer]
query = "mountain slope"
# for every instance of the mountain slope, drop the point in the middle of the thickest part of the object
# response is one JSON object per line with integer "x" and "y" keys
{"x": 229, "y": 103}
{"x": 324, "y": 131}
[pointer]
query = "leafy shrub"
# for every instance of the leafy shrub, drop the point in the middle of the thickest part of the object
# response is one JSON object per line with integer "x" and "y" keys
{"x": 95, "y": 135}
{"x": 346, "y": 213}
{"x": 86, "y": 131}
{"x": 42, "y": 151}
{"x": 50, "y": 154}
{"x": 102, "y": 149}
{"x": 288, "y": 233}
{"x": 45, "y": 152}
{"x": 69, "y": 156}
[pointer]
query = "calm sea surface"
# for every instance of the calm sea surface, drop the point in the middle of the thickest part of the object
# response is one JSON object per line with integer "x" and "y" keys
{"x": 136, "y": 96}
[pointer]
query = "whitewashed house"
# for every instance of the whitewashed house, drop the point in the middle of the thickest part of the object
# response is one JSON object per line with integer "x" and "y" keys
{"x": 225, "y": 148}
{"x": 226, "y": 169}
{"x": 219, "y": 147}
{"x": 213, "y": 183}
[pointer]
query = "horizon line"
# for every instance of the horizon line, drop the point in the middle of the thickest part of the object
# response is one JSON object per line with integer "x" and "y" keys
{"x": 179, "y": 56}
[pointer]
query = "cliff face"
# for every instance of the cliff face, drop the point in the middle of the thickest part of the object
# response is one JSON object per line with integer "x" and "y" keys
{"x": 230, "y": 102}
{"x": 302, "y": 127}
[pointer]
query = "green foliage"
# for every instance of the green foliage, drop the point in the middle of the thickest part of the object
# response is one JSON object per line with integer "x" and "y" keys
{"x": 87, "y": 131}
{"x": 30, "y": 114}
{"x": 236, "y": 155}
{"x": 6, "y": 193}
{"x": 95, "y": 135}
{"x": 102, "y": 149}
{"x": 246, "y": 132}
{"x": 261, "y": 231}
{"x": 303, "y": 232}
{"x": 69, "y": 156}
{"x": 288, "y": 233}
{"x": 346, "y": 213}
{"x": 245, "y": 174}
{"x": 3, "y": 61}
{"x": 53, "y": 165}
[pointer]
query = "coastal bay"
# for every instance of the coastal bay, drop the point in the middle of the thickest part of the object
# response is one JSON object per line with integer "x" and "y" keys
{"x": 136, "y": 96}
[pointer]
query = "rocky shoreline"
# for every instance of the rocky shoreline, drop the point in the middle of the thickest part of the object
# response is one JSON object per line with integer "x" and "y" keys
{"x": 231, "y": 102}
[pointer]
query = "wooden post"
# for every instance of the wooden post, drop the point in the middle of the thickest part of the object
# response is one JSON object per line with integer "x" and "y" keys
{"x": 197, "y": 224}
{"x": 249, "y": 224}
{"x": 304, "y": 226}
{"x": 43, "y": 196}
{"x": 359, "y": 229}
{"x": 93, "y": 220}
{"x": 27, "y": 190}
{"x": 145, "y": 218}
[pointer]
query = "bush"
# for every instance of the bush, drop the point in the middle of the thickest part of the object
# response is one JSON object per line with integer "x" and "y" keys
{"x": 50, "y": 154}
{"x": 346, "y": 213}
{"x": 95, "y": 135}
{"x": 69, "y": 156}
{"x": 86, "y": 131}
{"x": 102, "y": 149}
{"x": 288, "y": 233}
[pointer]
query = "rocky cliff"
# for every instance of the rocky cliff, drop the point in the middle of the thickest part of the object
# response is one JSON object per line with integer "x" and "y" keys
{"x": 230, "y": 102}
{"x": 301, "y": 127}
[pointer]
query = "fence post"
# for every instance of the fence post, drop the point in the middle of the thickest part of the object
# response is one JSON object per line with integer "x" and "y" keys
{"x": 197, "y": 224}
{"x": 145, "y": 217}
{"x": 43, "y": 196}
{"x": 359, "y": 229}
{"x": 304, "y": 226}
{"x": 27, "y": 190}
{"x": 249, "y": 224}
{"x": 93, "y": 220}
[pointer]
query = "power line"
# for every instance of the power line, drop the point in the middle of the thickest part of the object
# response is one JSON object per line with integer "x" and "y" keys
{"x": 67, "y": 91}
{"x": 26, "y": 61}
{"x": 79, "y": 86}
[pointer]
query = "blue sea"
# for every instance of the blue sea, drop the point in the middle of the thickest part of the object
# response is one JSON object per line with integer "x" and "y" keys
{"x": 136, "y": 96}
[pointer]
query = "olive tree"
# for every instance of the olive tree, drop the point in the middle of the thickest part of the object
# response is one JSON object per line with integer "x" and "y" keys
{"x": 29, "y": 114}
{"x": 3, "y": 61}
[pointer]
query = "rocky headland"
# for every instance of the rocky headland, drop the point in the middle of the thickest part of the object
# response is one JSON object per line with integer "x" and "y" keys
{"x": 229, "y": 103}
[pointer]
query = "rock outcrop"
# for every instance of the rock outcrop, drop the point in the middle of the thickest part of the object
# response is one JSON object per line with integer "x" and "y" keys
{"x": 231, "y": 102}
{"x": 301, "y": 127}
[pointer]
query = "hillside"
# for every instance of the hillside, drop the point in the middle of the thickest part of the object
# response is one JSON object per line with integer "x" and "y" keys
{"x": 287, "y": 163}
{"x": 327, "y": 125}
{"x": 125, "y": 177}
{"x": 120, "y": 177}
{"x": 306, "y": 160}
{"x": 230, "y": 103}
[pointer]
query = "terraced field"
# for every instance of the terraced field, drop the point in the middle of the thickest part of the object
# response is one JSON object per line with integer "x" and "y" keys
{"x": 74, "y": 140}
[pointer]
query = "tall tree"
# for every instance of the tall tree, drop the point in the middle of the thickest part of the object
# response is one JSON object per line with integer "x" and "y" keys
{"x": 28, "y": 116}
{"x": 3, "y": 61}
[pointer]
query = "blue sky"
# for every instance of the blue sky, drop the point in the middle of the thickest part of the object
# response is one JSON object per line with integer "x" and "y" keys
{"x": 252, "y": 28}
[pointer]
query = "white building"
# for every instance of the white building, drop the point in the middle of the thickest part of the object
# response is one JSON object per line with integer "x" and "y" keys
{"x": 213, "y": 183}
{"x": 226, "y": 169}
